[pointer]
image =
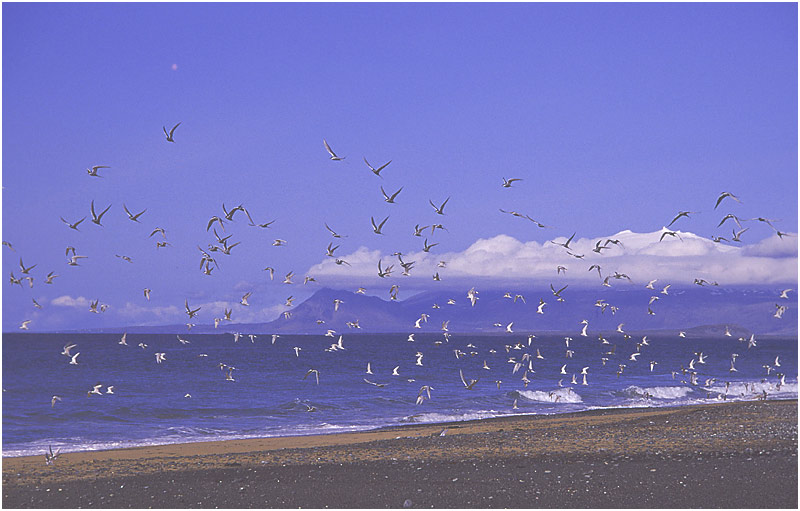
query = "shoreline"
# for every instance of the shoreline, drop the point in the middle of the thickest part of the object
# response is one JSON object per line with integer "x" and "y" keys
{"x": 750, "y": 446}
{"x": 355, "y": 436}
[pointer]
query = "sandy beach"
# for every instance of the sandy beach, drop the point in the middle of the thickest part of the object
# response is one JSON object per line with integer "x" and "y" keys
{"x": 727, "y": 455}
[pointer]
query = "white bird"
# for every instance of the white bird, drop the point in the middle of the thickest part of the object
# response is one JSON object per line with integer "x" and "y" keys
{"x": 53, "y": 401}
{"x": 95, "y": 390}
{"x": 419, "y": 356}
{"x": 316, "y": 374}
{"x": 67, "y": 348}
{"x": 244, "y": 299}
{"x": 93, "y": 170}
{"x": 74, "y": 360}
{"x": 110, "y": 389}
{"x": 395, "y": 371}
{"x": 330, "y": 151}
{"x": 369, "y": 368}
{"x": 377, "y": 171}
{"x": 784, "y": 293}
{"x": 564, "y": 369}
{"x": 507, "y": 182}
{"x": 160, "y": 357}
{"x": 124, "y": 340}
{"x": 471, "y": 383}
{"x": 508, "y": 328}
{"x": 297, "y": 350}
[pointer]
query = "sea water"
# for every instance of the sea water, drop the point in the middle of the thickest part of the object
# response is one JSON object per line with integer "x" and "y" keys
{"x": 188, "y": 397}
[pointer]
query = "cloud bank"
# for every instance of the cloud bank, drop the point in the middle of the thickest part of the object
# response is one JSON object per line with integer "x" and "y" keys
{"x": 641, "y": 256}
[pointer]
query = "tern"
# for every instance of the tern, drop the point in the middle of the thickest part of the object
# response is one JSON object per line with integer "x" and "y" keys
{"x": 330, "y": 151}
{"x": 439, "y": 209}
{"x": 160, "y": 357}
{"x": 73, "y": 225}
{"x": 390, "y": 198}
{"x": 169, "y": 135}
{"x": 377, "y": 171}
{"x": 50, "y": 277}
{"x": 316, "y": 374}
{"x": 681, "y": 214}
{"x": 471, "y": 383}
{"x": 95, "y": 217}
{"x": 377, "y": 228}
{"x": 53, "y": 401}
{"x": 540, "y": 308}
{"x": 67, "y": 348}
{"x": 379, "y": 385}
{"x": 726, "y": 194}
{"x": 124, "y": 339}
{"x": 93, "y": 170}
{"x": 74, "y": 359}
{"x": 334, "y": 233}
{"x": 670, "y": 233}
{"x": 190, "y": 312}
{"x": 244, "y": 299}
{"x": 131, "y": 216}
{"x": 565, "y": 244}
{"x": 784, "y": 293}
{"x": 507, "y": 182}
{"x": 50, "y": 457}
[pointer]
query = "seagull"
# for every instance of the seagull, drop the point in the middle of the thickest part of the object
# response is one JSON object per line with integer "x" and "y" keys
{"x": 439, "y": 209}
{"x": 664, "y": 291}
{"x": 53, "y": 401}
{"x": 73, "y": 225}
{"x": 68, "y": 347}
{"x": 379, "y": 385}
{"x": 160, "y": 357}
{"x": 680, "y": 214}
{"x": 377, "y": 171}
{"x": 471, "y": 383}
{"x": 566, "y": 244}
{"x": 244, "y": 299}
{"x": 95, "y": 217}
{"x": 726, "y": 194}
{"x": 334, "y": 233}
{"x": 377, "y": 228}
{"x": 669, "y": 233}
{"x": 508, "y": 328}
{"x": 784, "y": 293}
{"x": 472, "y": 295}
{"x": 330, "y": 151}
{"x": 190, "y": 312}
{"x": 24, "y": 325}
{"x": 507, "y": 182}
{"x": 131, "y": 216}
{"x": 390, "y": 198}
{"x": 110, "y": 389}
{"x": 74, "y": 359}
{"x": 316, "y": 374}
{"x": 93, "y": 170}
{"x": 395, "y": 371}
{"x": 169, "y": 135}
{"x": 124, "y": 339}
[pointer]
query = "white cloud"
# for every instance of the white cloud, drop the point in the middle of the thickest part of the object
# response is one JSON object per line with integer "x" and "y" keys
{"x": 642, "y": 256}
{"x": 68, "y": 301}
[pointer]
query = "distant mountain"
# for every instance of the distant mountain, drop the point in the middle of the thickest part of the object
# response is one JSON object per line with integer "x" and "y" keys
{"x": 707, "y": 309}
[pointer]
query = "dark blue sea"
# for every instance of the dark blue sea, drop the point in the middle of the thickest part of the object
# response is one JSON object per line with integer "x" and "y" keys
{"x": 270, "y": 397}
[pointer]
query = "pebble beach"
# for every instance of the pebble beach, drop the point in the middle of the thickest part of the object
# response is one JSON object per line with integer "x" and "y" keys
{"x": 727, "y": 455}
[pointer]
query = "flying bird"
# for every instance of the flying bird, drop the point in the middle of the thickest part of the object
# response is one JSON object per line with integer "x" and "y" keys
{"x": 439, "y": 209}
{"x": 93, "y": 170}
{"x": 95, "y": 217}
{"x": 377, "y": 171}
{"x": 726, "y": 194}
{"x": 377, "y": 228}
{"x": 507, "y": 182}
{"x": 169, "y": 135}
{"x": 330, "y": 151}
{"x": 131, "y": 216}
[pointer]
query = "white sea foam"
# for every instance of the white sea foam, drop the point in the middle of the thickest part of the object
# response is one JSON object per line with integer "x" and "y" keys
{"x": 656, "y": 392}
{"x": 445, "y": 417}
{"x": 561, "y": 395}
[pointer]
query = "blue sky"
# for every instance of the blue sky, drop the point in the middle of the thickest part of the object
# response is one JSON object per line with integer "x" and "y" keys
{"x": 615, "y": 117}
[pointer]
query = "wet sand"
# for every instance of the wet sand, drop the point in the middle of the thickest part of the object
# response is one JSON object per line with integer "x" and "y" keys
{"x": 727, "y": 455}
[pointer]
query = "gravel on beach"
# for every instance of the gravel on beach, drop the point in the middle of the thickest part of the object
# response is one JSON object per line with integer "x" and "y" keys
{"x": 729, "y": 455}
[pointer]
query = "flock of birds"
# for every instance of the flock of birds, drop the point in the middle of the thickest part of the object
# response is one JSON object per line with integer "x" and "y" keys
{"x": 521, "y": 364}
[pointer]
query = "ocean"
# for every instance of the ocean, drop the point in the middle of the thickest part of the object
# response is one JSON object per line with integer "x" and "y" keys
{"x": 188, "y": 397}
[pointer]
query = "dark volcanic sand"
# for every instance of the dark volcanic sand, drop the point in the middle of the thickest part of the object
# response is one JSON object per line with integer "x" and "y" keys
{"x": 734, "y": 455}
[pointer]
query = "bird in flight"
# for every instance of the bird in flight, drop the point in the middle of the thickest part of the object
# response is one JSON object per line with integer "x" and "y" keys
{"x": 726, "y": 194}
{"x": 507, "y": 182}
{"x": 169, "y": 135}
{"x": 680, "y": 214}
{"x": 565, "y": 244}
{"x": 95, "y": 217}
{"x": 377, "y": 228}
{"x": 330, "y": 151}
{"x": 471, "y": 383}
{"x": 93, "y": 171}
{"x": 190, "y": 312}
{"x": 377, "y": 171}
{"x": 390, "y": 198}
{"x": 439, "y": 209}
{"x": 131, "y": 216}
{"x": 73, "y": 225}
